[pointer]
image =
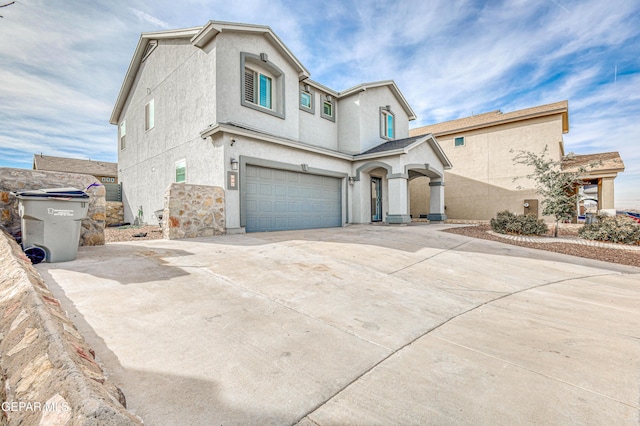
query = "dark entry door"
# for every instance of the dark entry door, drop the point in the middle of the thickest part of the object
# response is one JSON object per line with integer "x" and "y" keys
{"x": 376, "y": 199}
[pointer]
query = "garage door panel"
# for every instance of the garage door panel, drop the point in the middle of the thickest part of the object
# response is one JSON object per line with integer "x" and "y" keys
{"x": 252, "y": 206}
{"x": 281, "y": 200}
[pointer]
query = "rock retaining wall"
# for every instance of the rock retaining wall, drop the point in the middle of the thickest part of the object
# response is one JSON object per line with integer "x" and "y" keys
{"x": 49, "y": 372}
{"x": 114, "y": 212}
{"x": 193, "y": 211}
{"x": 12, "y": 180}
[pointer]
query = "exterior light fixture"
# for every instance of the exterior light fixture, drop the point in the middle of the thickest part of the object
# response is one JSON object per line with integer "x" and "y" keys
{"x": 352, "y": 180}
{"x": 234, "y": 164}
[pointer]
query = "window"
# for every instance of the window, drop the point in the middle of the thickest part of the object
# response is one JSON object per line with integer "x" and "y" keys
{"x": 257, "y": 88}
{"x": 306, "y": 100}
{"x": 181, "y": 170}
{"x": 387, "y": 123}
{"x": 328, "y": 109}
{"x": 149, "y": 115}
{"x": 262, "y": 84}
{"x": 123, "y": 133}
{"x": 459, "y": 141}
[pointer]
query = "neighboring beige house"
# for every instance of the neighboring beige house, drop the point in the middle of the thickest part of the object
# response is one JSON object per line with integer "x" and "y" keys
{"x": 603, "y": 169}
{"x": 485, "y": 179}
{"x": 228, "y": 105}
{"x": 106, "y": 172}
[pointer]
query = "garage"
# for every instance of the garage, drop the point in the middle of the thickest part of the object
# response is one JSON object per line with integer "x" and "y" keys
{"x": 279, "y": 200}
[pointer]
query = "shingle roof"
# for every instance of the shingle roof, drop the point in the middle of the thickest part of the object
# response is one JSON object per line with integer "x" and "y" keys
{"x": 392, "y": 145}
{"x": 494, "y": 118}
{"x": 74, "y": 165}
{"x": 602, "y": 161}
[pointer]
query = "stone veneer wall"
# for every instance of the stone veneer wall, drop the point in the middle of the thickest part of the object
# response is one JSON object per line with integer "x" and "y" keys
{"x": 193, "y": 211}
{"x": 114, "y": 212}
{"x": 49, "y": 373}
{"x": 11, "y": 180}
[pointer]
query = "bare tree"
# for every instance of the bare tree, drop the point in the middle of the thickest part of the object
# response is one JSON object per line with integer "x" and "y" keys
{"x": 557, "y": 186}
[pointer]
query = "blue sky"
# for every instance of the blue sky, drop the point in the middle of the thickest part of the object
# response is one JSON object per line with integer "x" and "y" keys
{"x": 62, "y": 63}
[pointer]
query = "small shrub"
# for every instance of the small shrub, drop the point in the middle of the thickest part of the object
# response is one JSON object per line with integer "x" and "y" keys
{"x": 501, "y": 221}
{"x": 506, "y": 222}
{"x": 617, "y": 229}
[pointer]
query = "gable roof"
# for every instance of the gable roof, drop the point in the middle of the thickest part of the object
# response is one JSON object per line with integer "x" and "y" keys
{"x": 392, "y": 86}
{"x": 399, "y": 146}
{"x": 495, "y": 118}
{"x": 199, "y": 37}
{"x": 601, "y": 162}
{"x": 74, "y": 165}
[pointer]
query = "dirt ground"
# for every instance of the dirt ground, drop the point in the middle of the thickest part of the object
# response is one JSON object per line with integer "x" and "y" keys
{"x": 132, "y": 233}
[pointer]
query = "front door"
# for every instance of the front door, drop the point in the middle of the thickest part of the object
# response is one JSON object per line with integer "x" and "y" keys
{"x": 376, "y": 199}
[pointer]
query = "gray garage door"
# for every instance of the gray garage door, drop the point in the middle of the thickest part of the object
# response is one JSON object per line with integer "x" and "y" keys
{"x": 278, "y": 200}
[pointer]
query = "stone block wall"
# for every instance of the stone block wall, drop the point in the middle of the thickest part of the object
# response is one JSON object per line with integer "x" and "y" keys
{"x": 114, "y": 212}
{"x": 12, "y": 180}
{"x": 49, "y": 373}
{"x": 193, "y": 211}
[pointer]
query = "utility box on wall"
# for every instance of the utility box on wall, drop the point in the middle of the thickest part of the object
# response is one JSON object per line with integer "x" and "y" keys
{"x": 531, "y": 207}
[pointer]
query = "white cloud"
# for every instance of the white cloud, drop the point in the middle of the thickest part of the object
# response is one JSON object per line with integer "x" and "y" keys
{"x": 145, "y": 17}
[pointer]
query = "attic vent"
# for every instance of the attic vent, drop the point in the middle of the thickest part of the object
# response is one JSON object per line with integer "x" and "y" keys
{"x": 150, "y": 48}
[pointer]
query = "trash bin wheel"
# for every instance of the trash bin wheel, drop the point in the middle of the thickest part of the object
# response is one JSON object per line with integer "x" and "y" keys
{"x": 35, "y": 254}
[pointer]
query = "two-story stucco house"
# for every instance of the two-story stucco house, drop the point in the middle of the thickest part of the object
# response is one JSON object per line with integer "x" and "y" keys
{"x": 229, "y": 105}
{"x": 486, "y": 180}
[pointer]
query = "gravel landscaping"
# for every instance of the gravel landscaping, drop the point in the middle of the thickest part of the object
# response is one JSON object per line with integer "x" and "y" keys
{"x": 623, "y": 257}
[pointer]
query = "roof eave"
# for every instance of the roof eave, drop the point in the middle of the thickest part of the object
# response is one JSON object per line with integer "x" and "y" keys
{"x": 136, "y": 62}
{"x": 212, "y": 28}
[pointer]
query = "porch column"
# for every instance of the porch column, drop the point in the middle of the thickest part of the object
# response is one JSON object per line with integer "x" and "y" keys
{"x": 606, "y": 195}
{"x": 398, "y": 200}
{"x": 436, "y": 201}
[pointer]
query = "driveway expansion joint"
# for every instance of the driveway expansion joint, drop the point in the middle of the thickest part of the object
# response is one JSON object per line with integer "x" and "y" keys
{"x": 436, "y": 327}
{"x": 557, "y": 379}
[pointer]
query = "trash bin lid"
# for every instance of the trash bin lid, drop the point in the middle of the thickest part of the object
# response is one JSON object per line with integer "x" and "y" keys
{"x": 54, "y": 193}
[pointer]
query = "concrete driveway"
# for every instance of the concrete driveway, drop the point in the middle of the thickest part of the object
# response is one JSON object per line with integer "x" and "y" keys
{"x": 358, "y": 325}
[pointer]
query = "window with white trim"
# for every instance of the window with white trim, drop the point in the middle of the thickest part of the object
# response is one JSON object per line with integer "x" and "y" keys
{"x": 458, "y": 141}
{"x": 149, "y": 115}
{"x": 123, "y": 133}
{"x": 181, "y": 170}
{"x": 387, "y": 123}
{"x": 262, "y": 84}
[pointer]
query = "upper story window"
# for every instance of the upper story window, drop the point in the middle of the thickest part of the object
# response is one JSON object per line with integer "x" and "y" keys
{"x": 258, "y": 88}
{"x": 181, "y": 170}
{"x": 387, "y": 123}
{"x": 123, "y": 133}
{"x": 307, "y": 99}
{"x": 262, "y": 84}
{"x": 458, "y": 141}
{"x": 328, "y": 108}
{"x": 149, "y": 115}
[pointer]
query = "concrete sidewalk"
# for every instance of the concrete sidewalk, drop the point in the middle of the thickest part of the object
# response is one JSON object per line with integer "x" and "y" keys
{"x": 358, "y": 325}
